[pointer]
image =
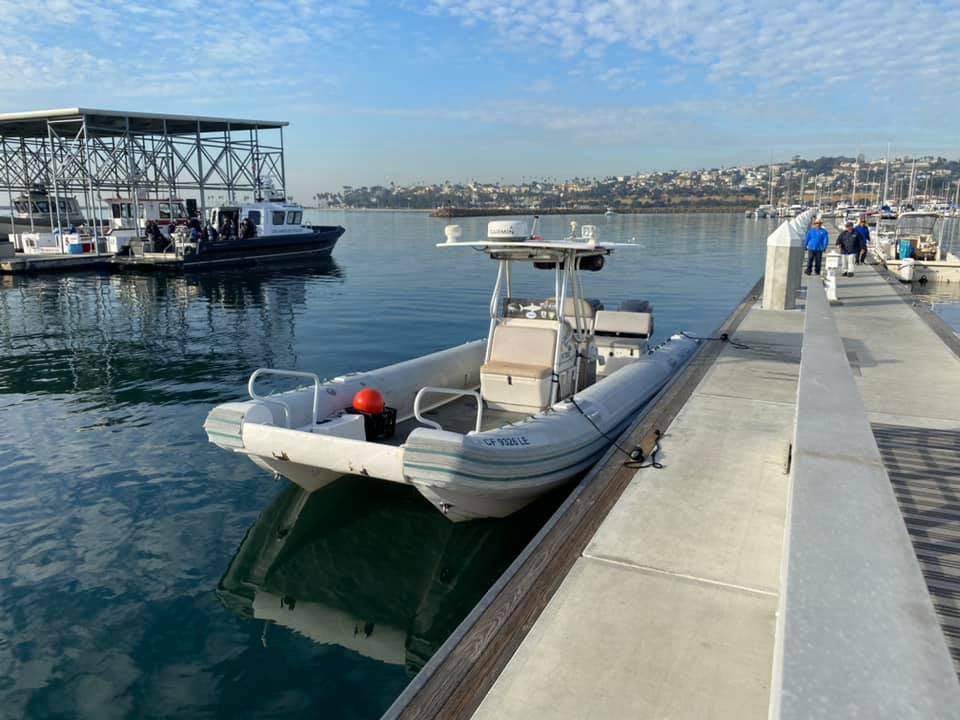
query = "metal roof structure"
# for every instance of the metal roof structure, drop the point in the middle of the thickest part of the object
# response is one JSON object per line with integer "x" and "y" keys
{"x": 92, "y": 154}
{"x": 34, "y": 123}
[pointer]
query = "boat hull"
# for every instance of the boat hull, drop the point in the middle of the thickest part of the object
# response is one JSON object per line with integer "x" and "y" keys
{"x": 495, "y": 473}
{"x": 320, "y": 241}
{"x": 316, "y": 245}
{"x": 492, "y": 473}
{"x": 23, "y": 225}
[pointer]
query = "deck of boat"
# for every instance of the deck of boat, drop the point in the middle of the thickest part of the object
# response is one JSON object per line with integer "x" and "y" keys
{"x": 459, "y": 415}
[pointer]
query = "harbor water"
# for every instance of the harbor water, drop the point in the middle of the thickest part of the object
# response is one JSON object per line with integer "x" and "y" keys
{"x": 147, "y": 573}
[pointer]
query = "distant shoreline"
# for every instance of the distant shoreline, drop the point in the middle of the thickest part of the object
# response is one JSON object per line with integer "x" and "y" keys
{"x": 482, "y": 212}
{"x": 496, "y": 212}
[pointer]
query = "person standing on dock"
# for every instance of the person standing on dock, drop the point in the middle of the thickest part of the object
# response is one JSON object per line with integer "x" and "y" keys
{"x": 849, "y": 243}
{"x": 863, "y": 232}
{"x": 816, "y": 243}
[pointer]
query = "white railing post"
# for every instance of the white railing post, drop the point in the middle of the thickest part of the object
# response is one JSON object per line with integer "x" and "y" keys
{"x": 785, "y": 248}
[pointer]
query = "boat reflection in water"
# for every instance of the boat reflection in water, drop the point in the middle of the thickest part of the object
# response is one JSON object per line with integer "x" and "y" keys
{"x": 154, "y": 339}
{"x": 371, "y": 567}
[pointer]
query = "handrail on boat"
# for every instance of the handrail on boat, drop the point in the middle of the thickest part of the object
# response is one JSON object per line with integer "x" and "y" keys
{"x": 286, "y": 373}
{"x": 445, "y": 391}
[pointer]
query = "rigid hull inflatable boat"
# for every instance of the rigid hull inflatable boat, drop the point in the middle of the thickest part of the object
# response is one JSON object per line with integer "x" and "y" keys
{"x": 484, "y": 428}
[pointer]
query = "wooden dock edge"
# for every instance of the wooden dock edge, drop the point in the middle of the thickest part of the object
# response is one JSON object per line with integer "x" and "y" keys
{"x": 455, "y": 680}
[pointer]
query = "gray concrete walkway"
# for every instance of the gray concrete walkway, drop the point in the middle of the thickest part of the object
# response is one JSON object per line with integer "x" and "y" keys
{"x": 906, "y": 375}
{"x": 670, "y": 611}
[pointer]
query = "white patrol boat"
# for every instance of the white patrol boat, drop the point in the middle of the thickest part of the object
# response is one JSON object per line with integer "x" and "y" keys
{"x": 484, "y": 428}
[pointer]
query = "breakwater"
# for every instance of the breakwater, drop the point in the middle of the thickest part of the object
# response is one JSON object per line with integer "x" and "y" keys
{"x": 451, "y": 212}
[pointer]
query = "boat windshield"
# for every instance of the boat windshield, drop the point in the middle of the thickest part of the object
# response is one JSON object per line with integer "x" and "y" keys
{"x": 916, "y": 224}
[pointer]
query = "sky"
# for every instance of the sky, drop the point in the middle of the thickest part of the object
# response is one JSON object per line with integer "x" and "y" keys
{"x": 508, "y": 90}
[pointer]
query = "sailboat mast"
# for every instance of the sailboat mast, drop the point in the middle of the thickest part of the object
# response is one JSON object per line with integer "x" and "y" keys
{"x": 913, "y": 180}
{"x": 886, "y": 176}
{"x": 770, "y": 201}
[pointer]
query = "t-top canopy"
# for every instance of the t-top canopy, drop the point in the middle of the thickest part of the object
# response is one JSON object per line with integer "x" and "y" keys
{"x": 510, "y": 240}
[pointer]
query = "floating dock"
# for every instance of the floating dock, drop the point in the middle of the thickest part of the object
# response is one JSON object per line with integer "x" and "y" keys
{"x": 797, "y": 556}
{"x": 28, "y": 264}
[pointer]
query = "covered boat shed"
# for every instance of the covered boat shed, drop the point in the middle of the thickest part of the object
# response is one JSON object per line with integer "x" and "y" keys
{"x": 89, "y": 154}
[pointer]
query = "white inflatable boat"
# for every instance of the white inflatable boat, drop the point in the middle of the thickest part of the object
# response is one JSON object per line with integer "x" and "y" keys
{"x": 484, "y": 428}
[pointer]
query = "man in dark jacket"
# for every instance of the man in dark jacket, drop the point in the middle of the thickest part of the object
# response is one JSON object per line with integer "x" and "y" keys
{"x": 849, "y": 244}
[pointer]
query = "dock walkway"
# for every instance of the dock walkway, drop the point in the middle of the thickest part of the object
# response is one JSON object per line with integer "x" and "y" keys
{"x": 671, "y": 611}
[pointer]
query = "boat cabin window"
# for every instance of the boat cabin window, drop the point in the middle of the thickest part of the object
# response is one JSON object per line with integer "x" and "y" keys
{"x": 41, "y": 206}
{"x": 121, "y": 210}
{"x": 254, "y": 216}
{"x": 277, "y": 217}
{"x": 62, "y": 204}
{"x": 294, "y": 217}
{"x": 221, "y": 216}
{"x": 20, "y": 205}
{"x": 172, "y": 211}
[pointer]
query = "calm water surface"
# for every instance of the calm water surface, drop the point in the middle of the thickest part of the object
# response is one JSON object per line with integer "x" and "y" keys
{"x": 145, "y": 572}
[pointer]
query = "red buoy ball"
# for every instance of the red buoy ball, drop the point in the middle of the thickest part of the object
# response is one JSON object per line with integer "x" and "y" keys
{"x": 368, "y": 401}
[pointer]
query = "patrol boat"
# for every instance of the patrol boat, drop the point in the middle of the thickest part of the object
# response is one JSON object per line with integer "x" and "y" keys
{"x": 484, "y": 428}
{"x": 269, "y": 229}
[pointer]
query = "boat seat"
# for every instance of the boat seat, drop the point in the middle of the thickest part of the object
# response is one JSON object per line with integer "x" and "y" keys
{"x": 621, "y": 338}
{"x": 498, "y": 367}
{"x": 588, "y": 310}
{"x": 624, "y": 324}
{"x": 518, "y": 375}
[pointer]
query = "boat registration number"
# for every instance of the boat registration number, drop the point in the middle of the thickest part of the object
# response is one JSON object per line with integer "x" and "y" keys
{"x": 507, "y": 441}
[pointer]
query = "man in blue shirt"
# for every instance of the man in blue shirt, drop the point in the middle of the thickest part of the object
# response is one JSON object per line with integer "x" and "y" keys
{"x": 817, "y": 241}
{"x": 863, "y": 232}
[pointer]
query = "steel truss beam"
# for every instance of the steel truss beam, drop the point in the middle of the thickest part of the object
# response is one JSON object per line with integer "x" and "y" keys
{"x": 79, "y": 158}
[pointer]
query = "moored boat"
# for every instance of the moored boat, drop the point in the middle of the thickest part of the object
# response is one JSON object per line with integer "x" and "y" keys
{"x": 37, "y": 211}
{"x": 267, "y": 230}
{"x": 484, "y": 428}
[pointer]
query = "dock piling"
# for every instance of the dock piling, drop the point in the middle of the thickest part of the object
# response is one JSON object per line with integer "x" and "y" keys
{"x": 785, "y": 262}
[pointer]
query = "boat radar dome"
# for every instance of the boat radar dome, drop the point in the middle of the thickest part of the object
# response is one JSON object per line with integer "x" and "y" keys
{"x": 453, "y": 233}
{"x": 508, "y": 230}
{"x": 368, "y": 401}
{"x": 589, "y": 234}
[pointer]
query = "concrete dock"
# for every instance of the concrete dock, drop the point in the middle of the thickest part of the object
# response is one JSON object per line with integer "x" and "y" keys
{"x": 671, "y": 611}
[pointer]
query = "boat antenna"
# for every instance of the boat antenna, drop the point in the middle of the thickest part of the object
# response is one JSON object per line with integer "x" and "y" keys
{"x": 533, "y": 227}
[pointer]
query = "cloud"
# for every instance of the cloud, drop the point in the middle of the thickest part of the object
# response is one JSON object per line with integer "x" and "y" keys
{"x": 541, "y": 86}
{"x": 781, "y": 45}
{"x": 199, "y": 51}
